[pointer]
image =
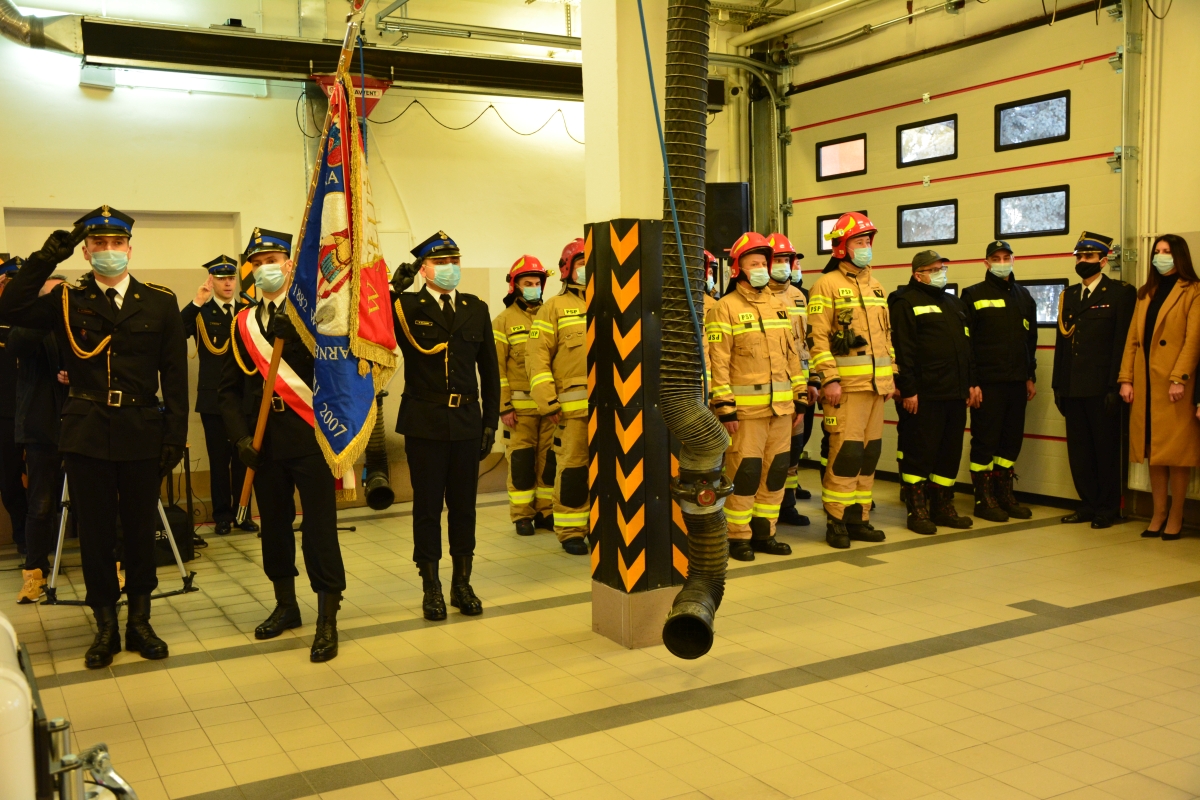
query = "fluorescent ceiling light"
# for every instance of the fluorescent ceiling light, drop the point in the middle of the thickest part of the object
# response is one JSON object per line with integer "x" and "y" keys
{"x": 109, "y": 77}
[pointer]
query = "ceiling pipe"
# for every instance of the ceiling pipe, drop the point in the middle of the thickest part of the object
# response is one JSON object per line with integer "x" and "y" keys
{"x": 738, "y": 8}
{"x": 460, "y": 31}
{"x": 794, "y": 22}
{"x": 62, "y": 34}
{"x": 795, "y": 51}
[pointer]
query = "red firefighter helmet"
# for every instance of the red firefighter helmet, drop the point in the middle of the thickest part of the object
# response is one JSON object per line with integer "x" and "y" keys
{"x": 746, "y": 244}
{"x": 848, "y": 226}
{"x": 526, "y": 265}
{"x": 710, "y": 264}
{"x": 780, "y": 246}
{"x": 573, "y": 250}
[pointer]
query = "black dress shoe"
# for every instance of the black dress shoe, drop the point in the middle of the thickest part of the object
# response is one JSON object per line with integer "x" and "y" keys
{"x": 1172, "y": 537}
{"x": 524, "y": 527}
{"x": 139, "y": 636}
{"x": 1153, "y": 534}
{"x": 1076, "y": 517}
{"x": 1102, "y": 522}
{"x": 223, "y": 528}
{"x": 108, "y": 639}
{"x": 249, "y": 526}
{"x": 741, "y": 550}
{"x": 577, "y": 546}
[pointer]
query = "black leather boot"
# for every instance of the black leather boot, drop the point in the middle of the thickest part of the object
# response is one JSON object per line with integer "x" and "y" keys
{"x": 918, "y": 509}
{"x": 462, "y": 596}
{"x": 942, "y": 510}
{"x": 860, "y": 530}
{"x": 524, "y": 527}
{"x": 108, "y": 639}
{"x": 740, "y": 550}
{"x": 543, "y": 521}
{"x": 836, "y": 534}
{"x": 762, "y": 540}
{"x": 433, "y": 605}
{"x": 985, "y": 502}
{"x": 1002, "y": 487}
{"x": 325, "y": 641}
{"x": 139, "y": 636}
{"x": 286, "y": 614}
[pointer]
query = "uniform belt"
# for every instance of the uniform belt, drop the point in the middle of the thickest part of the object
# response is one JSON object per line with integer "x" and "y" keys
{"x": 450, "y": 400}
{"x": 114, "y": 398}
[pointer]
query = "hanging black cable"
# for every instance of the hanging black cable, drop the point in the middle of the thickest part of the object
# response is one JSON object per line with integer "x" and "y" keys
{"x": 557, "y": 113}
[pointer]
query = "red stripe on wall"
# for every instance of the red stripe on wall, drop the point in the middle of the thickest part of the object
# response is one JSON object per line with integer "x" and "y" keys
{"x": 1036, "y": 257}
{"x": 947, "y": 178}
{"x": 953, "y": 92}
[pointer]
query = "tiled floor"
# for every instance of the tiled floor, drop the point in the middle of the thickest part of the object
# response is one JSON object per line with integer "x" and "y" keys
{"x": 1026, "y": 659}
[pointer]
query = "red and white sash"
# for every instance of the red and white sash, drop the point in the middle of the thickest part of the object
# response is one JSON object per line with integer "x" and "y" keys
{"x": 288, "y": 385}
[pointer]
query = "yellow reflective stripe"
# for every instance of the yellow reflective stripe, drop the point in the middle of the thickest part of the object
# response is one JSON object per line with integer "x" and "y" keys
{"x": 818, "y": 298}
{"x": 722, "y": 389}
{"x": 865, "y": 369}
{"x": 883, "y": 372}
{"x": 792, "y": 482}
{"x": 748, "y": 328}
{"x": 524, "y": 405}
{"x": 499, "y": 337}
{"x": 797, "y": 380}
{"x": 763, "y": 510}
{"x": 862, "y": 497}
{"x": 989, "y": 304}
{"x": 845, "y": 498}
{"x": 753, "y": 400}
{"x": 543, "y": 325}
{"x": 776, "y": 324}
{"x": 899, "y": 455}
{"x": 980, "y": 467}
{"x": 796, "y": 311}
{"x": 570, "y": 519}
{"x": 573, "y": 405}
{"x": 503, "y": 382}
{"x": 544, "y": 492}
{"x": 518, "y": 338}
{"x": 919, "y": 310}
{"x": 910, "y": 478}
{"x": 966, "y": 330}
{"x": 540, "y": 378}
{"x": 718, "y": 327}
{"x": 940, "y": 481}
{"x": 1003, "y": 462}
{"x": 820, "y": 358}
{"x": 737, "y": 517}
{"x": 520, "y": 498}
{"x": 874, "y": 301}
{"x": 567, "y": 322}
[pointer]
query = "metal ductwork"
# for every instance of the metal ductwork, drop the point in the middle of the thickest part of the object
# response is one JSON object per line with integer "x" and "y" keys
{"x": 701, "y": 486}
{"x": 378, "y": 484}
{"x": 62, "y": 34}
{"x": 794, "y": 22}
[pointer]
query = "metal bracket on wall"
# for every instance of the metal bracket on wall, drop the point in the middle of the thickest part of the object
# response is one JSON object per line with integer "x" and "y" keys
{"x": 785, "y": 137}
{"x": 1117, "y": 12}
{"x": 1117, "y": 62}
{"x": 787, "y": 209}
{"x": 1133, "y": 42}
{"x": 1119, "y": 155}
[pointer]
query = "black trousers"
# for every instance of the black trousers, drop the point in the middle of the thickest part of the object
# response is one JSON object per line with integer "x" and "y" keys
{"x": 43, "y": 465}
{"x": 100, "y": 491}
{"x": 998, "y": 426}
{"x": 443, "y": 472}
{"x": 226, "y": 470}
{"x": 1094, "y": 453}
{"x": 276, "y": 484}
{"x": 12, "y": 490}
{"x": 932, "y": 440}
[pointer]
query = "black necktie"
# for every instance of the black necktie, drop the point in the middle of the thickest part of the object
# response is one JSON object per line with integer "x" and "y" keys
{"x": 448, "y": 311}
{"x": 270, "y": 315}
{"x": 111, "y": 294}
{"x": 226, "y": 307}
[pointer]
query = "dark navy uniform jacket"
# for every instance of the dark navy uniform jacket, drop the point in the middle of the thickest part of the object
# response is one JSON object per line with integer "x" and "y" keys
{"x": 1087, "y": 362}
{"x": 216, "y": 327}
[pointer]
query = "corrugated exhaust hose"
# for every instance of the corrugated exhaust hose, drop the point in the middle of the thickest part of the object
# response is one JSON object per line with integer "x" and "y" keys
{"x": 701, "y": 487}
{"x": 378, "y": 483}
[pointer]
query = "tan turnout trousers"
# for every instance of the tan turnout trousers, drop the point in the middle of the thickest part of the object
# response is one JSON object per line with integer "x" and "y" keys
{"x": 571, "y": 480}
{"x": 530, "y": 478}
{"x": 758, "y": 460}
{"x": 855, "y": 429}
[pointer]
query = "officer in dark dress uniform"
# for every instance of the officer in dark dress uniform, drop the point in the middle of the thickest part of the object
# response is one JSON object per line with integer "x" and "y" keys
{"x": 447, "y": 416}
{"x": 12, "y": 491}
{"x": 208, "y": 319}
{"x": 289, "y": 460}
{"x": 120, "y": 340}
{"x": 1093, "y": 319}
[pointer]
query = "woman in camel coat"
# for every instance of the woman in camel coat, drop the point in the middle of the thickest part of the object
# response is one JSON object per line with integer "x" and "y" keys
{"x": 1158, "y": 377}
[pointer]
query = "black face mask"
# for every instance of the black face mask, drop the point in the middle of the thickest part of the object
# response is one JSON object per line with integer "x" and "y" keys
{"x": 1086, "y": 269}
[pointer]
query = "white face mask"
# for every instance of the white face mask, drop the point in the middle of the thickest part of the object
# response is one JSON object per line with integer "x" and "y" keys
{"x": 781, "y": 271}
{"x": 758, "y": 277}
{"x": 1001, "y": 270}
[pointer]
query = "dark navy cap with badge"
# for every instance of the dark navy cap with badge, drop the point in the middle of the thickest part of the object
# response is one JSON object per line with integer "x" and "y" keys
{"x": 265, "y": 241}
{"x": 105, "y": 221}
{"x": 996, "y": 247}
{"x": 1093, "y": 243}
{"x": 436, "y": 246}
{"x": 9, "y": 265}
{"x": 222, "y": 267}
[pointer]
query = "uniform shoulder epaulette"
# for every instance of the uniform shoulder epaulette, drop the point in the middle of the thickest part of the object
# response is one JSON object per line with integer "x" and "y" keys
{"x": 76, "y": 286}
{"x": 163, "y": 289}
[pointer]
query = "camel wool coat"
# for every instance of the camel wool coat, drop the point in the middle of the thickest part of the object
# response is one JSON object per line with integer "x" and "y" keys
{"x": 1174, "y": 351}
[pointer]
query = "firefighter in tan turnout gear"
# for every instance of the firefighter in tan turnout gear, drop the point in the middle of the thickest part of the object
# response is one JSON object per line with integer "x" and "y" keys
{"x": 852, "y": 353}
{"x": 527, "y": 434}
{"x": 556, "y": 362}
{"x": 758, "y": 391}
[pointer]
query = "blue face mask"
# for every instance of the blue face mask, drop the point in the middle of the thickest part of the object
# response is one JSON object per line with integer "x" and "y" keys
{"x": 781, "y": 271}
{"x": 758, "y": 277}
{"x": 1163, "y": 263}
{"x": 1000, "y": 270}
{"x": 269, "y": 278}
{"x": 797, "y": 277}
{"x": 532, "y": 294}
{"x": 938, "y": 279}
{"x": 861, "y": 257}
{"x": 447, "y": 276}
{"x": 109, "y": 263}
{"x": 710, "y": 283}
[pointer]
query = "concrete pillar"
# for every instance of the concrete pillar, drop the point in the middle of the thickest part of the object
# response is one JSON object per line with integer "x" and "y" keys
{"x": 639, "y": 549}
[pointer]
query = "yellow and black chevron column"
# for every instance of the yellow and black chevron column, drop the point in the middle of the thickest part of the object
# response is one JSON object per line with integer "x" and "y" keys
{"x": 637, "y": 530}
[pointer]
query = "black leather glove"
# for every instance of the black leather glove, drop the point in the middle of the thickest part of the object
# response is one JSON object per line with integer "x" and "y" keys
{"x": 1112, "y": 403}
{"x": 282, "y": 327}
{"x": 58, "y": 247}
{"x": 404, "y": 276}
{"x": 171, "y": 456}
{"x": 248, "y": 455}
{"x": 489, "y": 440}
{"x": 1058, "y": 403}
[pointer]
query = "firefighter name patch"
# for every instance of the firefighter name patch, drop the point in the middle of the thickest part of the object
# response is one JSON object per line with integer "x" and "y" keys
{"x": 846, "y": 292}
{"x": 533, "y": 334}
{"x": 815, "y": 308}
{"x": 572, "y": 312}
{"x": 714, "y": 337}
{"x": 746, "y": 316}
{"x": 831, "y": 421}
{"x": 516, "y": 329}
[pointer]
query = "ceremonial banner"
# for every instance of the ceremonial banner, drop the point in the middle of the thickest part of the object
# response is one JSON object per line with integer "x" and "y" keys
{"x": 339, "y": 293}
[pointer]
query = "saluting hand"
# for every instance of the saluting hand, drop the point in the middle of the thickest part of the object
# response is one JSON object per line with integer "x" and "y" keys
{"x": 205, "y": 292}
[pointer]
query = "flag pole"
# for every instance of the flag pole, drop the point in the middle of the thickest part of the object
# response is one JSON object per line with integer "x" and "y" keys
{"x": 353, "y": 24}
